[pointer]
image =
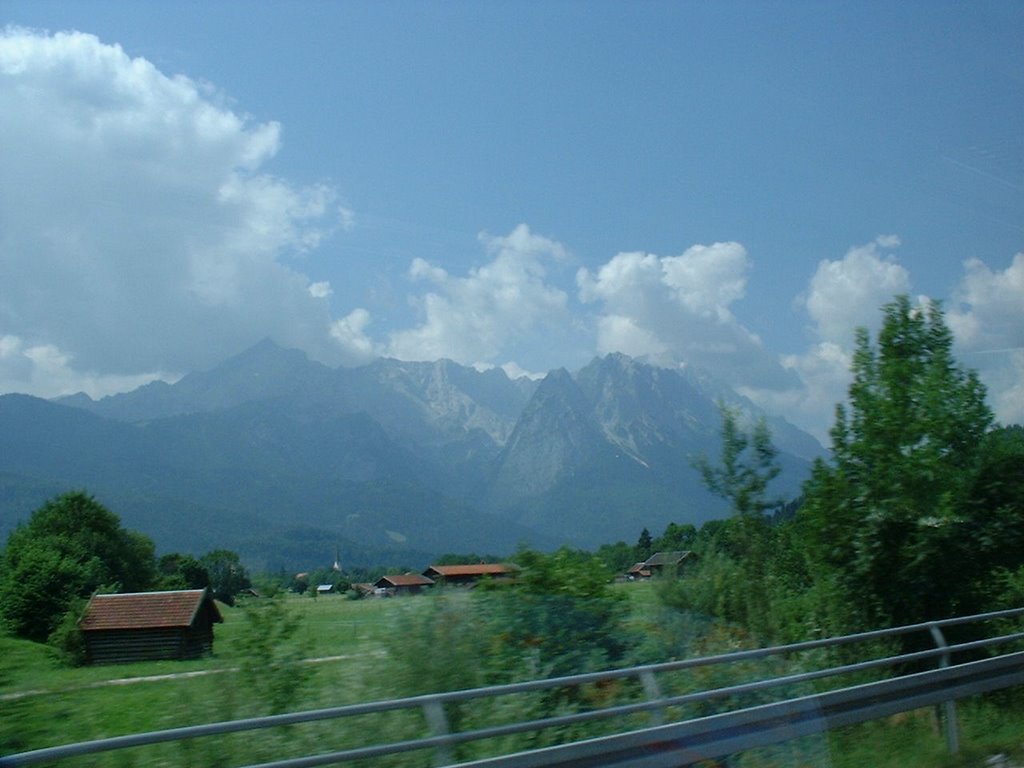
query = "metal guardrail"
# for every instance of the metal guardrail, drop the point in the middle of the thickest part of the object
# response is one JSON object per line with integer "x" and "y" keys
{"x": 657, "y": 744}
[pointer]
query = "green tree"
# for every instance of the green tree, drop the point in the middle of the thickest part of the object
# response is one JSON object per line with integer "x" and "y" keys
{"x": 995, "y": 516}
{"x": 746, "y": 468}
{"x": 70, "y": 547}
{"x": 617, "y": 557}
{"x": 644, "y": 545}
{"x": 178, "y": 571}
{"x": 677, "y": 537}
{"x": 228, "y": 576}
{"x": 558, "y": 617}
{"x": 890, "y": 512}
{"x": 736, "y": 561}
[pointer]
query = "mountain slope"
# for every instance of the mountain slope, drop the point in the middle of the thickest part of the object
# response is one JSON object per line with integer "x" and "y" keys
{"x": 241, "y": 478}
{"x": 603, "y": 455}
{"x": 270, "y": 453}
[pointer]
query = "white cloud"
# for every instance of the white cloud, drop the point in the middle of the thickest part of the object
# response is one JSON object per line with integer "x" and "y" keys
{"x": 988, "y": 307}
{"x": 707, "y": 279}
{"x": 617, "y": 333}
{"x": 350, "y": 333}
{"x": 515, "y": 371}
{"x": 139, "y": 234}
{"x": 824, "y": 376}
{"x": 847, "y": 293}
{"x": 676, "y": 309}
{"x": 475, "y": 318}
{"x": 1006, "y": 383}
{"x": 321, "y": 290}
{"x": 987, "y": 319}
{"x": 842, "y": 295}
{"x": 347, "y": 217}
{"x": 46, "y": 371}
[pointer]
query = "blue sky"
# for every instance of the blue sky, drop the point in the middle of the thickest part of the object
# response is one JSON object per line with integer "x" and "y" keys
{"x": 730, "y": 185}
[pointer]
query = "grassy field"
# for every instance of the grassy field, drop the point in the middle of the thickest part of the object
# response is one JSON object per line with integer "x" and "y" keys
{"x": 44, "y": 704}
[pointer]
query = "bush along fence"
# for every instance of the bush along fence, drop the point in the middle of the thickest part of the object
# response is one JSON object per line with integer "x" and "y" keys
{"x": 667, "y": 714}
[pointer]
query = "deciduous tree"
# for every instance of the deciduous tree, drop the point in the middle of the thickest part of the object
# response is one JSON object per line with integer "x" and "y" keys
{"x": 228, "y": 576}
{"x": 746, "y": 467}
{"x": 890, "y": 513}
{"x": 70, "y": 547}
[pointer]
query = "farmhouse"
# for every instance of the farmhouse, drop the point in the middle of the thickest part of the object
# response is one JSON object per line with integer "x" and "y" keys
{"x": 403, "y": 584}
{"x": 468, "y": 575}
{"x": 660, "y": 562}
{"x": 638, "y": 571}
{"x": 144, "y": 626}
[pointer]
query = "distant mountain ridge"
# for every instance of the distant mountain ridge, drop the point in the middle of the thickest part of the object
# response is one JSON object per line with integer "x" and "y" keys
{"x": 284, "y": 458}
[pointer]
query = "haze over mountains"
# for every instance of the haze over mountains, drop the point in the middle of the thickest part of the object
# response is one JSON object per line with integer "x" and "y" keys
{"x": 283, "y": 459}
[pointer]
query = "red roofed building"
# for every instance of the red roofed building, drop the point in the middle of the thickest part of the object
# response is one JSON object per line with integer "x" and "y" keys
{"x": 403, "y": 584}
{"x": 467, "y": 575}
{"x": 145, "y": 626}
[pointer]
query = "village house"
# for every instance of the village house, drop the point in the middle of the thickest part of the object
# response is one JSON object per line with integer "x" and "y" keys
{"x": 659, "y": 563}
{"x": 469, "y": 575}
{"x": 402, "y": 584}
{"x": 146, "y": 626}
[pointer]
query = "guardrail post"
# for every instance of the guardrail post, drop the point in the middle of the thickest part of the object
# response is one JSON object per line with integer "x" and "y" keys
{"x": 437, "y": 721}
{"x": 653, "y": 692}
{"x": 952, "y": 727}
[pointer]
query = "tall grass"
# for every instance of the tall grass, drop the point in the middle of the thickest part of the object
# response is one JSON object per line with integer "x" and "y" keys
{"x": 384, "y": 648}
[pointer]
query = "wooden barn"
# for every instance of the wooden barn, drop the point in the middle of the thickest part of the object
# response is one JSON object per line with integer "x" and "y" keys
{"x": 469, "y": 575}
{"x": 145, "y": 626}
{"x": 402, "y": 584}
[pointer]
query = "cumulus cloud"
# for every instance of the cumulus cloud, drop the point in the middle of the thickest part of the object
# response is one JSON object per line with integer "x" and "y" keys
{"x": 987, "y": 319}
{"x": 320, "y": 290}
{"x": 139, "y": 234}
{"x": 847, "y": 293}
{"x": 842, "y": 295}
{"x": 350, "y": 334}
{"x": 988, "y": 307}
{"x": 45, "y": 371}
{"x": 475, "y": 318}
{"x": 676, "y": 309}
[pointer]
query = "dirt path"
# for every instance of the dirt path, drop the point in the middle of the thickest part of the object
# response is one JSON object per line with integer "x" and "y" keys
{"x": 154, "y": 678}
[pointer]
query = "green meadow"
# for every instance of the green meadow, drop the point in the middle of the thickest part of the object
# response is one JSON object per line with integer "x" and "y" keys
{"x": 347, "y": 648}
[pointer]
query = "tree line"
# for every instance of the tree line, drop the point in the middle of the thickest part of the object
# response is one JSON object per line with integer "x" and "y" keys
{"x": 917, "y": 515}
{"x": 72, "y": 547}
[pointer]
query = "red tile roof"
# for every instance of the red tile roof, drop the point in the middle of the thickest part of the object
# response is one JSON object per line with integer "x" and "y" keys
{"x": 146, "y": 610}
{"x": 406, "y": 580}
{"x": 478, "y": 569}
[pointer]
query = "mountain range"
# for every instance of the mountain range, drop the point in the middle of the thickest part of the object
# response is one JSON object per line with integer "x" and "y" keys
{"x": 284, "y": 459}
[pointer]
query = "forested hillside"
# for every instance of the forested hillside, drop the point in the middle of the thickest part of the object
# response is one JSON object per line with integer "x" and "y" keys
{"x": 286, "y": 460}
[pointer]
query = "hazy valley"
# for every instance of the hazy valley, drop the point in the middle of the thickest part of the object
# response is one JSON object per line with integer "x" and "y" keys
{"x": 285, "y": 459}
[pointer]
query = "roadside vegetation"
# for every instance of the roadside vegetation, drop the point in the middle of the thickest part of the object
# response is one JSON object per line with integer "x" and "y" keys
{"x": 918, "y": 514}
{"x": 371, "y": 656}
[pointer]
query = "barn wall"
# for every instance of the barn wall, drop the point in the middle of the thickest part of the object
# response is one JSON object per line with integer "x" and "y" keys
{"x": 118, "y": 646}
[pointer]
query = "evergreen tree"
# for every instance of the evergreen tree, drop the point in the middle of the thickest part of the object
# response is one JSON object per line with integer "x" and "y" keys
{"x": 644, "y": 545}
